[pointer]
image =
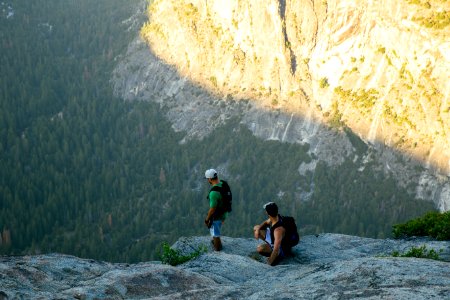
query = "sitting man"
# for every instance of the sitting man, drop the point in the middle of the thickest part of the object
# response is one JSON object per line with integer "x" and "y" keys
{"x": 273, "y": 232}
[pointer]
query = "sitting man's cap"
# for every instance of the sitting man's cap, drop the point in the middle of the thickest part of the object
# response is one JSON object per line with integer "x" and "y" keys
{"x": 271, "y": 208}
{"x": 211, "y": 174}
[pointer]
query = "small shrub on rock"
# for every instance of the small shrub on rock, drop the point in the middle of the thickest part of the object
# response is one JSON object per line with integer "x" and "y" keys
{"x": 174, "y": 257}
{"x": 421, "y": 252}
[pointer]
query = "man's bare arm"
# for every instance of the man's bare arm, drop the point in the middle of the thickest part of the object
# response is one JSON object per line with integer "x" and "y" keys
{"x": 211, "y": 212}
{"x": 257, "y": 228}
{"x": 278, "y": 235}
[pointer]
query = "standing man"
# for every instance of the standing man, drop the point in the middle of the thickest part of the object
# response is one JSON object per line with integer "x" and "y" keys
{"x": 217, "y": 212}
{"x": 273, "y": 232}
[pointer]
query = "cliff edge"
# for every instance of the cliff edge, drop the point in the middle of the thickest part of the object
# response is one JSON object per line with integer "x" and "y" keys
{"x": 331, "y": 266}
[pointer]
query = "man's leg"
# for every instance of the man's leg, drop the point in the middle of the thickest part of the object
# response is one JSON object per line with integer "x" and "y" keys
{"x": 215, "y": 233}
{"x": 264, "y": 249}
{"x": 217, "y": 243}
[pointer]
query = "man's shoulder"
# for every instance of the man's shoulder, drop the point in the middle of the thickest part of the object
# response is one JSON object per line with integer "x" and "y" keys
{"x": 214, "y": 192}
{"x": 216, "y": 187}
{"x": 279, "y": 226}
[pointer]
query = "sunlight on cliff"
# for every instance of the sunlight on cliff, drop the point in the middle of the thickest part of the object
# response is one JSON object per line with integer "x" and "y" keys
{"x": 383, "y": 75}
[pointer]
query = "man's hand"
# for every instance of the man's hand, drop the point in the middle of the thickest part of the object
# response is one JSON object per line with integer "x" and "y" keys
{"x": 256, "y": 229}
{"x": 209, "y": 217}
{"x": 208, "y": 223}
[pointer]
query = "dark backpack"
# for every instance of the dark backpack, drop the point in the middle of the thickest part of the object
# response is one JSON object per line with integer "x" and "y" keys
{"x": 291, "y": 236}
{"x": 225, "y": 192}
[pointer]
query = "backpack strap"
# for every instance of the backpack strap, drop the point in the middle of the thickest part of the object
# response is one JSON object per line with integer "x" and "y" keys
{"x": 216, "y": 188}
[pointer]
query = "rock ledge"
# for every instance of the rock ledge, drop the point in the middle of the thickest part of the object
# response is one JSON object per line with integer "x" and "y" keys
{"x": 331, "y": 266}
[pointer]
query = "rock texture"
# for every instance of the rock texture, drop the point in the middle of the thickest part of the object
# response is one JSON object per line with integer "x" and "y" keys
{"x": 330, "y": 266}
{"x": 299, "y": 72}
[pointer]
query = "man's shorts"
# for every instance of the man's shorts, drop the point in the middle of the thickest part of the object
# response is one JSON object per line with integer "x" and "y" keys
{"x": 215, "y": 228}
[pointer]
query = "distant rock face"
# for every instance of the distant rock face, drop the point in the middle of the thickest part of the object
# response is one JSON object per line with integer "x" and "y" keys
{"x": 382, "y": 67}
{"x": 328, "y": 266}
{"x": 301, "y": 70}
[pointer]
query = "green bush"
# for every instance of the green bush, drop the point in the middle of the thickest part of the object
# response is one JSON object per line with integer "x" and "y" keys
{"x": 421, "y": 252}
{"x": 213, "y": 80}
{"x": 433, "y": 224}
{"x": 174, "y": 257}
{"x": 324, "y": 83}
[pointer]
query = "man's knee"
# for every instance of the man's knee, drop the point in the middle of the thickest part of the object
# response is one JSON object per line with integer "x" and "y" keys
{"x": 264, "y": 250}
{"x": 259, "y": 249}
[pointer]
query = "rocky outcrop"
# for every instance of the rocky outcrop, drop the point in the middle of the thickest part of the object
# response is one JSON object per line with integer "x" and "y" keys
{"x": 328, "y": 266}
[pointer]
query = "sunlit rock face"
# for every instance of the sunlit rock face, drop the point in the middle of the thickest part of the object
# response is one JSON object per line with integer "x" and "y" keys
{"x": 376, "y": 64}
{"x": 301, "y": 71}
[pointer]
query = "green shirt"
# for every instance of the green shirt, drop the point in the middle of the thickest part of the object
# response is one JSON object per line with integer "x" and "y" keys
{"x": 215, "y": 200}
